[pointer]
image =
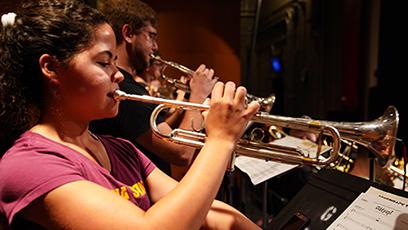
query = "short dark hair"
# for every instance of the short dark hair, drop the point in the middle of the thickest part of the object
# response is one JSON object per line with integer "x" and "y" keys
{"x": 133, "y": 12}
{"x": 60, "y": 28}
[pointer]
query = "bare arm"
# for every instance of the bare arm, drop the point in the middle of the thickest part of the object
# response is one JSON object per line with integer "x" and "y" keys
{"x": 176, "y": 114}
{"x": 73, "y": 205}
{"x": 220, "y": 215}
{"x": 224, "y": 216}
{"x": 225, "y": 123}
{"x": 170, "y": 152}
{"x": 201, "y": 84}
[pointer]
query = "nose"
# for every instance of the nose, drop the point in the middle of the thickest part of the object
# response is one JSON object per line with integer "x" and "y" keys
{"x": 117, "y": 76}
{"x": 155, "y": 46}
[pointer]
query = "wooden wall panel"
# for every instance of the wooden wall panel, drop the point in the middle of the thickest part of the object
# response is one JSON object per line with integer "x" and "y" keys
{"x": 195, "y": 32}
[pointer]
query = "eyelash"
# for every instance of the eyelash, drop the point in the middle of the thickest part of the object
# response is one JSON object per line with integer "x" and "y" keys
{"x": 104, "y": 64}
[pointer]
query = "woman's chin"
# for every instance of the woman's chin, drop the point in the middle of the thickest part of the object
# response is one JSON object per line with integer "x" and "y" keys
{"x": 114, "y": 113}
{"x": 109, "y": 114}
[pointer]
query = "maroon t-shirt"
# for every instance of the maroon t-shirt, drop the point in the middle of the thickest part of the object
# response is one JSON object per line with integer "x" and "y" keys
{"x": 36, "y": 165}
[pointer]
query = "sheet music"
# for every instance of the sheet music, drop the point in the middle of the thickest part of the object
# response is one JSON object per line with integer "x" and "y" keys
{"x": 398, "y": 181}
{"x": 374, "y": 210}
{"x": 260, "y": 170}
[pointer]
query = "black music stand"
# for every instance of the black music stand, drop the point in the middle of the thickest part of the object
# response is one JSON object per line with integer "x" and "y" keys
{"x": 325, "y": 196}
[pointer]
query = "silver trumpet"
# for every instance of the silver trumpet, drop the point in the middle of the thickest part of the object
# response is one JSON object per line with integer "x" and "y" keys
{"x": 379, "y": 135}
{"x": 265, "y": 102}
{"x": 269, "y": 152}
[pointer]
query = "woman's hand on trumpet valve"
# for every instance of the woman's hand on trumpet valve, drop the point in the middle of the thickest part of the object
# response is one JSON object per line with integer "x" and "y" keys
{"x": 228, "y": 114}
{"x": 201, "y": 84}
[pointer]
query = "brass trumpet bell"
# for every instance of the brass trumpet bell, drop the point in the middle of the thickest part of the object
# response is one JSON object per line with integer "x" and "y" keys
{"x": 379, "y": 135}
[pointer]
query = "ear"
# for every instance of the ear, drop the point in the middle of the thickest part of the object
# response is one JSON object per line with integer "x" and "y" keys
{"x": 48, "y": 67}
{"x": 127, "y": 33}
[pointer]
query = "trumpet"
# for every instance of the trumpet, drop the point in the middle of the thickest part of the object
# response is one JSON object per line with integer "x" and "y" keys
{"x": 265, "y": 102}
{"x": 269, "y": 152}
{"x": 378, "y": 135}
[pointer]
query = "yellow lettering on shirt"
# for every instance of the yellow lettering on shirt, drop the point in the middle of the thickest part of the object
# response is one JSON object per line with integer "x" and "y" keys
{"x": 137, "y": 190}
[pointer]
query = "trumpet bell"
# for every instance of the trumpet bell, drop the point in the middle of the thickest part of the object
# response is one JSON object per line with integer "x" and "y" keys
{"x": 266, "y": 103}
{"x": 379, "y": 135}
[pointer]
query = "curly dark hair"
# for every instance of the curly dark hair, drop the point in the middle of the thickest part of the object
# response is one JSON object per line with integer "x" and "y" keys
{"x": 133, "y": 12}
{"x": 60, "y": 28}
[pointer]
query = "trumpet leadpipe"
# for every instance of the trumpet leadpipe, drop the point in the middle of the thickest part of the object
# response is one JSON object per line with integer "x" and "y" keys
{"x": 120, "y": 95}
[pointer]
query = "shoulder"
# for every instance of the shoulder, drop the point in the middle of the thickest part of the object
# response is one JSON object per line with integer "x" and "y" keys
{"x": 33, "y": 155}
{"x": 31, "y": 147}
{"x": 32, "y": 167}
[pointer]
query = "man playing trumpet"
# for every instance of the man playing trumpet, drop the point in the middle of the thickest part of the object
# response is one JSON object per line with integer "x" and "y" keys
{"x": 134, "y": 23}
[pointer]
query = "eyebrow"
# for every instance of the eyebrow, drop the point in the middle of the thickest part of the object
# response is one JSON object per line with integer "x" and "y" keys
{"x": 107, "y": 52}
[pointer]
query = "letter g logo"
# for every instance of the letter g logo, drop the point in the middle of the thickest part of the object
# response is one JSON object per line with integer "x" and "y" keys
{"x": 328, "y": 213}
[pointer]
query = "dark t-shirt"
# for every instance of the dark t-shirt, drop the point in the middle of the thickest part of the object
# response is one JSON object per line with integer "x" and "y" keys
{"x": 36, "y": 165}
{"x": 132, "y": 120}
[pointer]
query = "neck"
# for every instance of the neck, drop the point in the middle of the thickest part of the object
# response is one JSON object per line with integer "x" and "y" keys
{"x": 61, "y": 126}
{"x": 60, "y": 133}
{"x": 84, "y": 142}
{"x": 72, "y": 131}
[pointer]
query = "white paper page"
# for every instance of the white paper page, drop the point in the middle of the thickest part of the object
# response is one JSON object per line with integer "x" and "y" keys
{"x": 374, "y": 211}
{"x": 260, "y": 170}
{"x": 372, "y": 191}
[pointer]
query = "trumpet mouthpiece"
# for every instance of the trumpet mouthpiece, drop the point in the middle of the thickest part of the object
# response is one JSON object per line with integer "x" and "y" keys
{"x": 118, "y": 95}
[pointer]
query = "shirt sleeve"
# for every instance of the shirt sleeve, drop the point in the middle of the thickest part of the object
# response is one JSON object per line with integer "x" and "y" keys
{"x": 26, "y": 177}
{"x": 146, "y": 163}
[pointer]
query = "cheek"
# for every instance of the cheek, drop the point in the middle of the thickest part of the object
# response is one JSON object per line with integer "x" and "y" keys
{"x": 81, "y": 85}
{"x": 82, "y": 89}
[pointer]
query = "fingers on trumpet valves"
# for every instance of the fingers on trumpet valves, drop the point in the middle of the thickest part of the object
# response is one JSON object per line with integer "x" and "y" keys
{"x": 240, "y": 97}
{"x": 206, "y": 70}
{"x": 229, "y": 91}
{"x": 201, "y": 68}
{"x": 218, "y": 91}
{"x": 209, "y": 72}
{"x": 251, "y": 109}
{"x": 234, "y": 96}
{"x": 223, "y": 95}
